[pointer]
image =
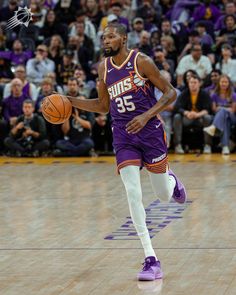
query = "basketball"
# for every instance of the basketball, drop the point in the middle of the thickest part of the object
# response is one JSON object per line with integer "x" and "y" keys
{"x": 56, "y": 108}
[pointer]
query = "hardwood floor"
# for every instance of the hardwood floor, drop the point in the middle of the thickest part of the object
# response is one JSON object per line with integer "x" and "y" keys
{"x": 65, "y": 229}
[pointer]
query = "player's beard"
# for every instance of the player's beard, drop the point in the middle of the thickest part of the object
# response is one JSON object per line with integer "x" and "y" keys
{"x": 111, "y": 52}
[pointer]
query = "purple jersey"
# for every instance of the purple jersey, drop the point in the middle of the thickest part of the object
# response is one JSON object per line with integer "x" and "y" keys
{"x": 130, "y": 94}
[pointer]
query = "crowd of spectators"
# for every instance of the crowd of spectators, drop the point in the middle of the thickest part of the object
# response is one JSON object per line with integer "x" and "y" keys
{"x": 192, "y": 42}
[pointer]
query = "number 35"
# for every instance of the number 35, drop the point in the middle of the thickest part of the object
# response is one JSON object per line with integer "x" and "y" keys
{"x": 124, "y": 104}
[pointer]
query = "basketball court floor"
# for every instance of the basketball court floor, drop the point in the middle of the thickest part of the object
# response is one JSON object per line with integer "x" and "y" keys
{"x": 65, "y": 229}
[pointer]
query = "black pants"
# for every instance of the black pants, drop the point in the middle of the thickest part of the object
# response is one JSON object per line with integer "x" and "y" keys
{"x": 16, "y": 145}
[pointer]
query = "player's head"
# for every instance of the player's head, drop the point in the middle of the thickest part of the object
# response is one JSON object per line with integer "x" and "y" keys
{"x": 114, "y": 39}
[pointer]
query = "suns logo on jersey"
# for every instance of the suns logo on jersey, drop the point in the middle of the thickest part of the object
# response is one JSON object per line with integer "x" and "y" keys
{"x": 120, "y": 88}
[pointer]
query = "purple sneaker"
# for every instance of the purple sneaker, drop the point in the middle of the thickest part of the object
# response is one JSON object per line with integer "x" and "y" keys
{"x": 151, "y": 270}
{"x": 179, "y": 195}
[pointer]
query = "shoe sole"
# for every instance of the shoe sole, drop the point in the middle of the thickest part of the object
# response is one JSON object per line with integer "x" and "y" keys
{"x": 147, "y": 278}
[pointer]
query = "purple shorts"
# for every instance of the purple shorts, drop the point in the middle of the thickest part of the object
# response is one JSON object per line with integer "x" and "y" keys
{"x": 146, "y": 148}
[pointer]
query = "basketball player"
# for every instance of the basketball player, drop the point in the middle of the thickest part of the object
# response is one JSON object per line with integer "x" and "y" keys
{"x": 127, "y": 80}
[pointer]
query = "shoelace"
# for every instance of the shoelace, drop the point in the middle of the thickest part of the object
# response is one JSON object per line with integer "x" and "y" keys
{"x": 146, "y": 265}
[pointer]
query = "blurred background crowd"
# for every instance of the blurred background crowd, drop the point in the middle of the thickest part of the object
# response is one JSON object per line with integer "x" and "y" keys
{"x": 192, "y": 42}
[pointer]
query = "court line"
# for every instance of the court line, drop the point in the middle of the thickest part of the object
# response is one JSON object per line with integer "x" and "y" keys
{"x": 111, "y": 248}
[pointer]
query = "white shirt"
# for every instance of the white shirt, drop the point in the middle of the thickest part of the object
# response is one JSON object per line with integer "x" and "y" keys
{"x": 228, "y": 68}
{"x": 203, "y": 66}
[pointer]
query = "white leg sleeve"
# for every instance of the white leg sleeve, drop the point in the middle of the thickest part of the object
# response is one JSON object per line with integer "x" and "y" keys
{"x": 163, "y": 185}
{"x": 130, "y": 176}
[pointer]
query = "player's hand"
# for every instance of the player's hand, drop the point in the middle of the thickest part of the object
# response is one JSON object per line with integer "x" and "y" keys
{"x": 135, "y": 125}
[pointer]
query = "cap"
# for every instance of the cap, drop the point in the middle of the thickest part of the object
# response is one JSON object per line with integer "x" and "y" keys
{"x": 138, "y": 20}
{"x": 112, "y": 18}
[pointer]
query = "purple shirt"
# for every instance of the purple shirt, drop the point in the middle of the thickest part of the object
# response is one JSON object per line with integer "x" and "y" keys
{"x": 12, "y": 106}
{"x": 223, "y": 102}
{"x": 201, "y": 13}
{"x": 16, "y": 59}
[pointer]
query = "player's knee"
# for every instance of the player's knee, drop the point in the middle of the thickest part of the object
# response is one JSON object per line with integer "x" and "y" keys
{"x": 134, "y": 194}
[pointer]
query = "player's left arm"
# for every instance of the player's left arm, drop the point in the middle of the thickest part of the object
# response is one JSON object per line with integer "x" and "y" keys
{"x": 148, "y": 69}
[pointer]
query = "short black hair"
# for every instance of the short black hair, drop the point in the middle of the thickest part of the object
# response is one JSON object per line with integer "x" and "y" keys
{"x": 116, "y": 4}
{"x": 120, "y": 28}
{"x": 29, "y": 101}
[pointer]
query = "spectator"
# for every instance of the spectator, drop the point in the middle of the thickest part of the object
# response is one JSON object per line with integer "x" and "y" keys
{"x": 194, "y": 61}
{"x": 65, "y": 11}
{"x": 230, "y": 9}
{"x": 205, "y": 38}
{"x": 89, "y": 28}
{"x": 5, "y": 71}
{"x": 167, "y": 42}
{"x": 12, "y": 105}
{"x": 186, "y": 77}
{"x": 134, "y": 35}
{"x": 116, "y": 9}
{"x": 161, "y": 62}
{"x": 93, "y": 12}
{"x": 7, "y": 12}
{"x": 215, "y": 76}
{"x": 53, "y": 26}
{"x": 17, "y": 56}
{"x": 193, "y": 108}
{"x": 227, "y": 65}
{"x": 28, "y": 136}
{"x": 224, "y": 107}
{"x": 144, "y": 45}
{"x": 77, "y": 139}
{"x": 228, "y": 34}
{"x": 57, "y": 88}
{"x": 66, "y": 69}
{"x": 102, "y": 134}
{"x": 55, "y": 49}
{"x": 29, "y": 89}
{"x": 46, "y": 89}
{"x": 38, "y": 67}
{"x": 84, "y": 85}
{"x": 73, "y": 87}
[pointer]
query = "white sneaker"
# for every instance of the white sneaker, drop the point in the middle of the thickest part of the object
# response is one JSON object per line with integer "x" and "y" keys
{"x": 211, "y": 130}
{"x": 207, "y": 149}
{"x": 179, "y": 149}
{"x": 225, "y": 150}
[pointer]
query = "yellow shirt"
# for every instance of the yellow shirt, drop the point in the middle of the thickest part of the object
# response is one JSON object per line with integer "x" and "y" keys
{"x": 194, "y": 101}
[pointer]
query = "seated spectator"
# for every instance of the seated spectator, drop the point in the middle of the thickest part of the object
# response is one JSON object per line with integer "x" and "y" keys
{"x": 55, "y": 49}
{"x": 227, "y": 65}
{"x": 56, "y": 87}
{"x": 230, "y": 9}
{"x": 16, "y": 56}
{"x": 46, "y": 89}
{"x": 65, "y": 11}
{"x": 215, "y": 76}
{"x": 77, "y": 135}
{"x": 38, "y": 67}
{"x": 84, "y": 85}
{"x": 66, "y": 69}
{"x": 102, "y": 134}
{"x": 73, "y": 87}
{"x": 193, "y": 108}
{"x": 12, "y": 105}
{"x": 3, "y": 127}
{"x": 186, "y": 77}
{"x": 134, "y": 35}
{"x": 93, "y": 12}
{"x": 144, "y": 44}
{"x": 53, "y": 26}
{"x": 205, "y": 38}
{"x": 89, "y": 28}
{"x": 224, "y": 107}
{"x": 29, "y": 89}
{"x": 6, "y": 73}
{"x": 228, "y": 34}
{"x": 162, "y": 62}
{"x": 194, "y": 61}
{"x": 167, "y": 42}
{"x": 28, "y": 136}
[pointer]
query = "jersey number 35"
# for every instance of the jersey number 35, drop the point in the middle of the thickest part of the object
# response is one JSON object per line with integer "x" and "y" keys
{"x": 124, "y": 104}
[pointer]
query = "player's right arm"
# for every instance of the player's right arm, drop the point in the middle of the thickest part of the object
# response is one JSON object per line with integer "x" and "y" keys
{"x": 98, "y": 105}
